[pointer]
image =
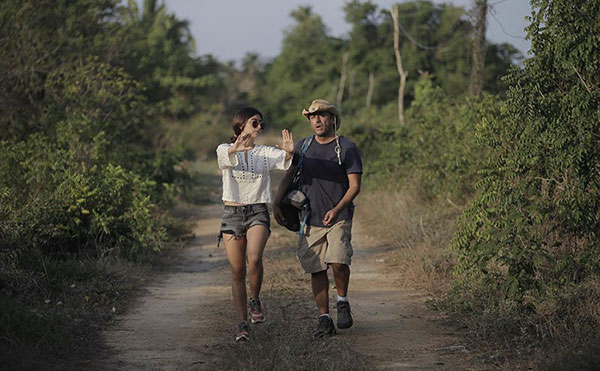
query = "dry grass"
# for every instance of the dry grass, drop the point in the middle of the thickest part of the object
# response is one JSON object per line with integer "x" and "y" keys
{"x": 285, "y": 341}
{"x": 420, "y": 230}
{"x": 56, "y": 319}
{"x": 561, "y": 332}
{"x": 568, "y": 322}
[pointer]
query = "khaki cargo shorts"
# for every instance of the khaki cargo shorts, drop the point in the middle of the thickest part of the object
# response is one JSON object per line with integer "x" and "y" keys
{"x": 325, "y": 245}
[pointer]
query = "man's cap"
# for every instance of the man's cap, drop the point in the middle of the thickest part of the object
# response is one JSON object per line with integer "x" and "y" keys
{"x": 323, "y": 105}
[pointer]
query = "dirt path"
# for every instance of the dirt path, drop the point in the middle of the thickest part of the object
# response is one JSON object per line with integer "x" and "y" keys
{"x": 182, "y": 323}
{"x": 182, "y": 313}
{"x": 394, "y": 328}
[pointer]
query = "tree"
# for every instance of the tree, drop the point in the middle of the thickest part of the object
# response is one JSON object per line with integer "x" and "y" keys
{"x": 367, "y": 51}
{"x": 401, "y": 72}
{"x": 534, "y": 227}
{"x": 478, "y": 61}
{"x": 37, "y": 38}
{"x": 77, "y": 114}
{"x": 433, "y": 39}
{"x": 342, "y": 87}
{"x": 157, "y": 51}
{"x": 307, "y": 67}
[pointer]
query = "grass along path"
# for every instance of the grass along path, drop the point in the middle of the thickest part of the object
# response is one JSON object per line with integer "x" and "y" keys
{"x": 186, "y": 320}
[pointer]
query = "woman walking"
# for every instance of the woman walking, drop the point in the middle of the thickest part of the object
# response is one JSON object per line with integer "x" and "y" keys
{"x": 245, "y": 227}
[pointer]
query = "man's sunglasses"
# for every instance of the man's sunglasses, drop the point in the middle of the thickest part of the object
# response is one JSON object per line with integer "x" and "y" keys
{"x": 256, "y": 123}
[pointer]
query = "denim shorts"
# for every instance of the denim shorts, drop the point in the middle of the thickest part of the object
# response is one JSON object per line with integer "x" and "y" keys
{"x": 238, "y": 219}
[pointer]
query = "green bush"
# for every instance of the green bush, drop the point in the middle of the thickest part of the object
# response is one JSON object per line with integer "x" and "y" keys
{"x": 529, "y": 249}
{"x": 446, "y": 155}
{"x": 437, "y": 148}
{"x": 69, "y": 207}
{"x": 87, "y": 170}
{"x": 71, "y": 186}
{"x": 535, "y": 224}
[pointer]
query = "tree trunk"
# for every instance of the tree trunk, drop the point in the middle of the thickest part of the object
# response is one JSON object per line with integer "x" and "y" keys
{"x": 401, "y": 71}
{"x": 371, "y": 86}
{"x": 351, "y": 83}
{"x": 340, "y": 94}
{"x": 476, "y": 82}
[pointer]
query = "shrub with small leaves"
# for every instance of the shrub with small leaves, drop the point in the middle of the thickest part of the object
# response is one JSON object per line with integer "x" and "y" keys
{"x": 535, "y": 224}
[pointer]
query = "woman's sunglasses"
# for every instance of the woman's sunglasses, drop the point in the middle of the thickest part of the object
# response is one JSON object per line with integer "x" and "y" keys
{"x": 256, "y": 123}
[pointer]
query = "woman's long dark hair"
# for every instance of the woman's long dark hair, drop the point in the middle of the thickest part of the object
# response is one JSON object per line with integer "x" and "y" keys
{"x": 240, "y": 119}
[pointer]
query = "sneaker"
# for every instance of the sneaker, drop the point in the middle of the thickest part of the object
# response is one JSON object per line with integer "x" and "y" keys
{"x": 324, "y": 327}
{"x": 242, "y": 331}
{"x": 344, "y": 317}
{"x": 256, "y": 311}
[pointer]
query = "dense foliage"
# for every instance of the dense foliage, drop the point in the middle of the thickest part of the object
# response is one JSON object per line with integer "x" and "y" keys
{"x": 528, "y": 243}
{"x": 86, "y": 170}
{"x": 82, "y": 121}
{"x": 535, "y": 224}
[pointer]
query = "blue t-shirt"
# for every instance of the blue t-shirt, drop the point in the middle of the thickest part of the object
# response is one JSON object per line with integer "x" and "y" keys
{"x": 323, "y": 180}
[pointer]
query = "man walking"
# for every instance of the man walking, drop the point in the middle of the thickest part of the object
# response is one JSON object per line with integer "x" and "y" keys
{"x": 330, "y": 178}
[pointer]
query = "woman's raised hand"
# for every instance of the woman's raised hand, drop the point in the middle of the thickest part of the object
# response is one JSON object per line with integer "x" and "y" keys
{"x": 287, "y": 141}
{"x": 241, "y": 143}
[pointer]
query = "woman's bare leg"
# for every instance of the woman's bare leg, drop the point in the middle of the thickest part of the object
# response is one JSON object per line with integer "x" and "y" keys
{"x": 236, "y": 254}
{"x": 257, "y": 237}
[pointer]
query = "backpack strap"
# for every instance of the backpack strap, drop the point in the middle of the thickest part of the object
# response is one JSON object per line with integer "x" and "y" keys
{"x": 306, "y": 213}
{"x": 303, "y": 149}
{"x": 296, "y": 182}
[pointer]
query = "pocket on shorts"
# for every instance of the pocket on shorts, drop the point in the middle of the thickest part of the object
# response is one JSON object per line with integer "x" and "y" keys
{"x": 228, "y": 219}
{"x": 231, "y": 223}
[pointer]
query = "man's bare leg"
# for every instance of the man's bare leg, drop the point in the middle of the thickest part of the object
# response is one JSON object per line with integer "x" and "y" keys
{"x": 320, "y": 287}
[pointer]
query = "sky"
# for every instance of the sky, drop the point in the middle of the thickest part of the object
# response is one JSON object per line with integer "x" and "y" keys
{"x": 228, "y": 29}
